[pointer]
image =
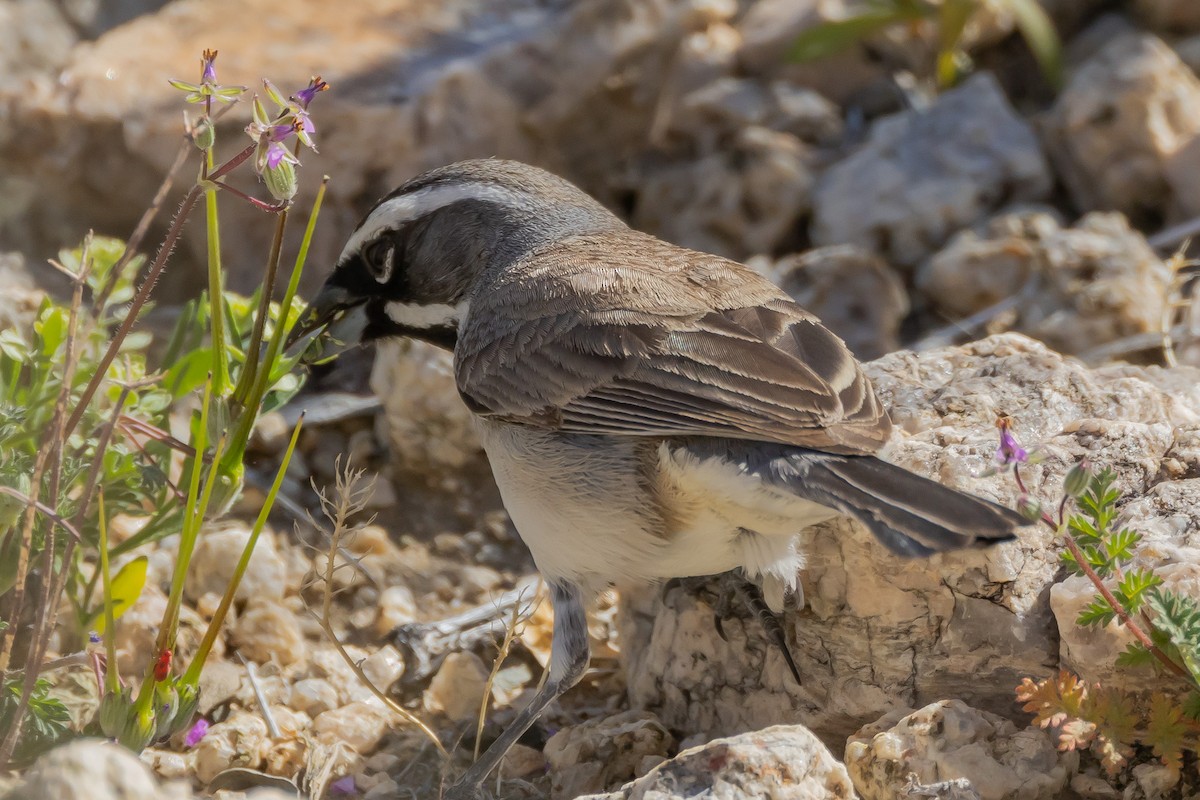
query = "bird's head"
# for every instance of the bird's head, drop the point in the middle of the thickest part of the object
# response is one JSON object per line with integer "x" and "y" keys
{"x": 412, "y": 264}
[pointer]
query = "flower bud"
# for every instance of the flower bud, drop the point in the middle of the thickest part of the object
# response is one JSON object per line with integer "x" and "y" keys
{"x": 1029, "y": 508}
{"x": 138, "y": 731}
{"x": 281, "y": 180}
{"x": 166, "y": 705}
{"x": 204, "y": 134}
{"x": 1078, "y": 479}
{"x": 115, "y": 709}
{"x": 188, "y": 699}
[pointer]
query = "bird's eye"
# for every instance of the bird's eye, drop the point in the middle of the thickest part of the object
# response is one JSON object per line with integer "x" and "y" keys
{"x": 378, "y": 257}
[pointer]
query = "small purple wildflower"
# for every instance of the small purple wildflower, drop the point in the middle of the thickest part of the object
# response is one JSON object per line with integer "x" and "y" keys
{"x": 343, "y": 786}
{"x": 1010, "y": 451}
{"x": 208, "y": 67}
{"x": 93, "y": 637}
{"x": 270, "y": 136}
{"x": 208, "y": 89}
{"x": 196, "y": 733}
{"x": 305, "y": 96}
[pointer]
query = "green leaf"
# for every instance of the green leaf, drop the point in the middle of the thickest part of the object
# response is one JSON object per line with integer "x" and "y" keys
{"x": 188, "y": 373}
{"x": 1038, "y": 31}
{"x": 127, "y": 587}
{"x": 1135, "y": 655}
{"x": 51, "y": 326}
{"x": 1177, "y": 616}
{"x": 1132, "y": 588}
{"x": 1097, "y": 613}
{"x": 831, "y": 38}
{"x": 13, "y": 345}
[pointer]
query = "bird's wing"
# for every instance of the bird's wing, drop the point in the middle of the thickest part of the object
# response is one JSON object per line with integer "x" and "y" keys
{"x": 624, "y": 334}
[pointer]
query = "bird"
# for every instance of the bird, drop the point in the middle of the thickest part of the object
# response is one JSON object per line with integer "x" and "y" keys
{"x": 649, "y": 412}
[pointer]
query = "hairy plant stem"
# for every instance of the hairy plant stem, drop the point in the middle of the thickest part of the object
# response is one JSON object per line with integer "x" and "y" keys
{"x": 1098, "y": 583}
{"x": 48, "y": 462}
{"x": 135, "y": 306}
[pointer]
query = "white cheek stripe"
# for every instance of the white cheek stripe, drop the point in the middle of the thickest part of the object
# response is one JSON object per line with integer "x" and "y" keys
{"x": 423, "y": 317}
{"x": 393, "y": 213}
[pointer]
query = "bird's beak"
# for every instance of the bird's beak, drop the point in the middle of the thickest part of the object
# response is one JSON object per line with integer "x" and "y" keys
{"x": 325, "y": 307}
{"x": 333, "y": 309}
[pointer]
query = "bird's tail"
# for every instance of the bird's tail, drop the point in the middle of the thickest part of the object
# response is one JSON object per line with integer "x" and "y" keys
{"x": 909, "y": 514}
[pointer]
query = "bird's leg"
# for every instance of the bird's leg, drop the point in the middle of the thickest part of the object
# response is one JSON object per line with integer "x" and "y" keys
{"x": 753, "y": 598}
{"x": 424, "y": 645}
{"x": 569, "y": 655}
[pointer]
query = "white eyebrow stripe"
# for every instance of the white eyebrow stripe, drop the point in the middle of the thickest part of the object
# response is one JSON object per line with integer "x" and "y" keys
{"x": 426, "y": 316}
{"x": 391, "y": 214}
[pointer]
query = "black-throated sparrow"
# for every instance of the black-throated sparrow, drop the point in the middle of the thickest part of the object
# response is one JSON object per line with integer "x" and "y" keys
{"x": 649, "y": 412}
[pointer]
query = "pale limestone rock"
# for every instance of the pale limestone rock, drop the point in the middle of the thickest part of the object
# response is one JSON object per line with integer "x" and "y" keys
{"x": 268, "y": 631}
{"x": 383, "y": 667}
{"x": 240, "y": 741}
{"x": 96, "y": 770}
{"x": 881, "y": 633}
{"x": 1121, "y": 117}
{"x": 216, "y": 557}
{"x": 458, "y": 687}
{"x": 428, "y": 427}
{"x": 521, "y": 761}
{"x": 744, "y": 199}
{"x": 313, "y": 696}
{"x": 359, "y": 725}
{"x": 1080, "y": 287}
{"x": 853, "y": 292}
{"x": 786, "y": 762}
{"x": 949, "y": 740}
{"x": 603, "y": 753}
{"x": 397, "y": 606}
{"x": 929, "y": 173}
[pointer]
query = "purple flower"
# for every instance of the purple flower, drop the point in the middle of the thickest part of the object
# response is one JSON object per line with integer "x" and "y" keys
{"x": 343, "y": 786}
{"x": 1010, "y": 451}
{"x": 270, "y": 136}
{"x": 93, "y": 637}
{"x": 196, "y": 733}
{"x": 208, "y": 89}
{"x": 305, "y": 96}
{"x": 208, "y": 69}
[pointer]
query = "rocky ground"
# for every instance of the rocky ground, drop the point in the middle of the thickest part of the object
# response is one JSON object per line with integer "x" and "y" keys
{"x": 1001, "y": 247}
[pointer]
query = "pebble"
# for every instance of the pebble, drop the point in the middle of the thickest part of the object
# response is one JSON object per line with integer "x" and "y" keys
{"x": 313, "y": 696}
{"x": 237, "y": 742}
{"x": 268, "y": 631}
{"x": 359, "y": 725}
{"x": 458, "y": 687}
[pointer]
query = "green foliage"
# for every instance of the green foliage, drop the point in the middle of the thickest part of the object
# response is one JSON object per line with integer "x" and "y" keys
{"x": 951, "y": 17}
{"x": 1104, "y": 549}
{"x": 46, "y": 724}
{"x": 1111, "y": 721}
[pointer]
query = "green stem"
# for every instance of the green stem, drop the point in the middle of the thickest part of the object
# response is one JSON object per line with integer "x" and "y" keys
{"x": 216, "y": 294}
{"x": 192, "y": 676}
{"x": 263, "y": 379}
{"x": 250, "y": 367}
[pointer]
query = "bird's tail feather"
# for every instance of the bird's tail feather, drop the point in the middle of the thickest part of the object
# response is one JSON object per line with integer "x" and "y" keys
{"x": 909, "y": 514}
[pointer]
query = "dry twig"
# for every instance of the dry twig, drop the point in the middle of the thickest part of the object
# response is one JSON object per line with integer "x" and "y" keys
{"x": 350, "y": 497}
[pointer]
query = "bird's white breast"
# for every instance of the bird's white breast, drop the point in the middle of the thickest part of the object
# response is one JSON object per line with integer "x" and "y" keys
{"x": 615, "y": 510}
